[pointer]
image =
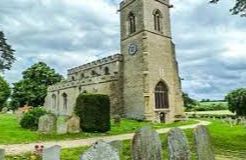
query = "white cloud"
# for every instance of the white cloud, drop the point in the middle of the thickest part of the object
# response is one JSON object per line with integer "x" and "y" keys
{"x": 66, "y": 33}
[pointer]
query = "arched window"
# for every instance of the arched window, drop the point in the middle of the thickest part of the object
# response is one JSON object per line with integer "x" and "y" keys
{"x": 82, "y": 76}
{"x": 157, "y": 20}
{"x": 64, "y": 97}
{"x": 73, "y": 79}
{"x": 93, "y": 73}
{"x": 132, "y": 23}
{"x": 161, "y": 96}
{"x": 106, "y": 71}
{"x": 53, "y": 101}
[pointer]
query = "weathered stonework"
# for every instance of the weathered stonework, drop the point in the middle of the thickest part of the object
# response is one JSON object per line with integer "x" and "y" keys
{"x": 129, "y": 79}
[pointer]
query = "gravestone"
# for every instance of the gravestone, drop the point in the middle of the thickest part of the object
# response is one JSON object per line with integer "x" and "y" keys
{"x": 146, "y": 145}
{"x": 178, "y": 145}
{"x": 117, "y": 145}
{"x": 2, "y": 154}
{"x": 74, "y": 124}
{"x": 47, "y": 124}
{"x": 204, "y": 148}
{"x": 4, "y": 110}
{"x": 62, "y": 125}
{"x": 19, "y": 114}
{"x": 117, "y": 119}
{"x": 101, "y": 151}
{"x": 52, "y": 153}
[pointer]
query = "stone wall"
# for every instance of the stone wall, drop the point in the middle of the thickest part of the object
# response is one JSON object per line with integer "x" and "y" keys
{"x": 109, "y": 84}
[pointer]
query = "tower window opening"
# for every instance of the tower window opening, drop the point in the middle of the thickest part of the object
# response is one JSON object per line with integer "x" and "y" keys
{"x": 157, "y": 20}
{"x": 132, "y": 23}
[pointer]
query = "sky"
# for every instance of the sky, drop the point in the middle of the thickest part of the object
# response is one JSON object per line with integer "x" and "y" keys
{"x": 210, "y": 43}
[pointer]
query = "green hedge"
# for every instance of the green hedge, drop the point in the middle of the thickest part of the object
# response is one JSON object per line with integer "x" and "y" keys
{"x": 30, "y": 119}
{"x": 94, "y": 112}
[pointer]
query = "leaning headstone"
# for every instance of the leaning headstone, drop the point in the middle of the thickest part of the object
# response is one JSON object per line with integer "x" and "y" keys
{"x": 204, "y": 148}
{"x": 62, "y": 125}
{"x": 117, "y": 145}
{"x": 47, "y": 124}
{"x": 74, "y": 124}
{"x": 2, "y": 154}
{"x": 146, "y": 145}
{"x": 101, "y": 151}
{"x": 178, "y": 145}
{"x": 52, "y": 153}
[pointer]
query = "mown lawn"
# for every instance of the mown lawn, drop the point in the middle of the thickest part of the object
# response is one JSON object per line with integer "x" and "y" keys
{"x": 12, "y": 133}
{"x": 228, "y": 142}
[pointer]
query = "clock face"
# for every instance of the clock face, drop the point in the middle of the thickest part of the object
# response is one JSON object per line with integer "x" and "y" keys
{"x": 132, "y": 49}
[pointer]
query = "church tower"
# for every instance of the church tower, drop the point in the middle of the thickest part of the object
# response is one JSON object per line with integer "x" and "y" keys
{"x": 151, "y": 88}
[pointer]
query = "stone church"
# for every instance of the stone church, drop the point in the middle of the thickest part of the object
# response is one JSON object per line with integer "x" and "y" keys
{"x": 142, "y": 81}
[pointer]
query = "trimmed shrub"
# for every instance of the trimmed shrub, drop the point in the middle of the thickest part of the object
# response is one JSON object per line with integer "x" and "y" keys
{"x": 94, "y": 112}
{"x": 31, "y": 118}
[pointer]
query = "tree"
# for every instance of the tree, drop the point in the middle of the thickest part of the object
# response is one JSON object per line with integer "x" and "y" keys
{"x": 6, "y": 54}
{"x": 4, "y": 92}
{"x": 239, "y": 7}
{"x": 189, "y": 103}
{"x": 237, "y": 101}
{"x": 32, "y": 89}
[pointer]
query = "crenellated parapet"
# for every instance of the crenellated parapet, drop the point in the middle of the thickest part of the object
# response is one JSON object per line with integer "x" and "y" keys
{"x": 84, "y": 82}
{"x": 125, "y": 3}
{"x": 94, "y": 64}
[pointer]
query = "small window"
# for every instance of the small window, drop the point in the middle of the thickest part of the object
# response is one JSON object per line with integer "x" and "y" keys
{"x": 82, "y": 76}
{"x": 132, "y": 23}
{"x": 106, "y": 71}
{"x": 157, "y": 20}
{"x": 53, "y": 101}
{"x": 93, "y": 73}
{"x": 73, "y": 78}
{"x": 64, "y": 96}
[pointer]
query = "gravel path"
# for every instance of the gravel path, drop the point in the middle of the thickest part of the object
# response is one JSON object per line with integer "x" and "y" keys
{"x": 15, "y": 149}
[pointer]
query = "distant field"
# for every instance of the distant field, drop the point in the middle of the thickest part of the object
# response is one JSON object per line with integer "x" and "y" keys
{"x": 210, "y": 106}
{"x": 222, "y": 112}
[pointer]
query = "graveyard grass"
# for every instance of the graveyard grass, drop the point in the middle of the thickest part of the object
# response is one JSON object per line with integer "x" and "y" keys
{"x": 12, "y": 133}
{"x": 227, "y": 141}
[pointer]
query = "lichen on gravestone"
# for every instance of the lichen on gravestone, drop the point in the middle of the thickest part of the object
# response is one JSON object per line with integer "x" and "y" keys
{"x": 146, "y": 145}
{"x": 117, "y": 145}
{"x": 52, "y": 153}
{"x": 62, "y": 125}
{"x": 47, "y": 124}
{"x": 178, "y": 145}
{"x": 204, "y": 149}
{"x": 101, "y": 151}
{"x": 74, "y": 124}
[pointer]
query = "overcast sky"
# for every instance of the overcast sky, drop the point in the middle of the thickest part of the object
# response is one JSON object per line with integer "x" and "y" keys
{"x": 210, "y": 43}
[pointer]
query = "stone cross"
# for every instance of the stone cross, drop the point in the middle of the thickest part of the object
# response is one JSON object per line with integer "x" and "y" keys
{"x": 146, "y": 145}
{"x": 52, "y": 153}
{"x": 2, "y": 154}
{"x": 178, "y": 145}
{"x": 204, "y": 148}
{"x": 101, "y": 151}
